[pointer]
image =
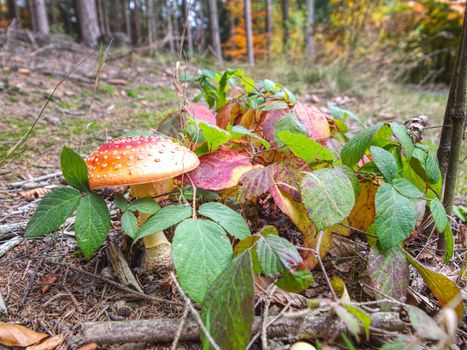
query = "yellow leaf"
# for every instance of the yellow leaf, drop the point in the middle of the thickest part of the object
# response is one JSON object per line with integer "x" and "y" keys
{"x": 298, "y": 215}
{"x": 363, "y": 213}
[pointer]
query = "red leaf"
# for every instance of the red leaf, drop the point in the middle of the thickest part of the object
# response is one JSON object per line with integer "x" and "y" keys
{"x": 254, "y": 183}
{"x": 200, "y": 113}
{"x": 220, "y": 170}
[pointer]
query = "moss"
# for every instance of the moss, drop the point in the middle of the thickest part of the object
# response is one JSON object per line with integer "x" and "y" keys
{"x": 107, "y": 89}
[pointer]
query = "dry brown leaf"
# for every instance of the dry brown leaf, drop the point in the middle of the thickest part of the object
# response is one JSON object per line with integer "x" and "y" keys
{"x": 16, "y": 335}
{"x": 280, "y": 296}
{"x": 24, "y": 71}
{"x": 117, "y": 81}
{"x": 47, "y": 281}
{"x": 90, "y": 346}
{"x": 34, "y": 193}
{"x": 48, "y": 344}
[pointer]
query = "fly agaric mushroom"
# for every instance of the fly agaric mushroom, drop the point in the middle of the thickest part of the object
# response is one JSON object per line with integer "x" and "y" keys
{"x": 148, "y": 164}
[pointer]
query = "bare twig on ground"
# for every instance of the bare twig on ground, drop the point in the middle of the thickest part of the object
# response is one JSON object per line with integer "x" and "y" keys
{"x": 8, "y": 230}
{"x": 114, "y": 284}
{"x": 195, "y": 313}
{"x": 264, "y": 332}
{"x": 318, "y": 256}
{"x": 186, "y": 311}
{"x": 307, "y": 325}
{"x": 36, "y": 179}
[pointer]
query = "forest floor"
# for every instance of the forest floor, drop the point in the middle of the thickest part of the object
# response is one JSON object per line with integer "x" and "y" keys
{"x": 39, "y": 280}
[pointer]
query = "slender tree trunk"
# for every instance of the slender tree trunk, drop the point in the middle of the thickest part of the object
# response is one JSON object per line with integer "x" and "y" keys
{"x": 127, "y": 20}
{"x": 268, "y": 26}
{"x": 176, "y": 29}
{"x": 101, "y": 17}
{"x": 53, "y": 11}
{"x": 249, "y": 32}
{"x": 285, "y": 24}
{"x": 115, "y": 20}
{"x": 137, "y": 21}
{"x": 152, "y": 25}
{"x": 215, "y": 33}
{"x": 87, "y": 19}
{"x": 170, "y": 28}
{"x": 310, "y": 6}
{"x": 11, "y": 9}
{"x": 187, "y": 26}
{"x": 32, "y": 15}
{"x": 458, "y": 117}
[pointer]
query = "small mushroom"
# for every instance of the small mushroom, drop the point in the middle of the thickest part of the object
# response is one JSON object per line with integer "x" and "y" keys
{"x": 148, "y": 164}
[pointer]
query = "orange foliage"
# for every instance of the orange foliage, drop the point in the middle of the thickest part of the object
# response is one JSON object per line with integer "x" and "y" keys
{"x": 235, "y": 47}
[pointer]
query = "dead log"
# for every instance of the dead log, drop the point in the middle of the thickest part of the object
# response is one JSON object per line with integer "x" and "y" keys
{"x": 304, "y": 325}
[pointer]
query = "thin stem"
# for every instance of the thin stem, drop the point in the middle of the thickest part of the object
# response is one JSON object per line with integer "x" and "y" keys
{"x": 318, "y": 256}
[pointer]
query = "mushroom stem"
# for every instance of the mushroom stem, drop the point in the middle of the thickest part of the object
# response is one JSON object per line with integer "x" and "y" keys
{"x": 157, "y": 246}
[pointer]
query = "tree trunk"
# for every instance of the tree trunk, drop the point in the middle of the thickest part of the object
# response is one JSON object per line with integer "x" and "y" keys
{"x": 285, "y": 24}
{"x": 101, "y": 17}
{"x": 187, "y": 26}
{"x": 268, "y": 26}
{"x": 215, "y": 33}
{"x": 458, "y": 117}
{"x": 170, "y": 29}
{"x": 310, "y": 6}
{"x": 137, "y": 22}
{"x": 152, "y": 25}
{"x": 87, "y": 18}
{"x": 11, "y": 9}
{"x": 127, "y": 20}
{"x": 249, "y": 32}
{"x": 115, "y": 10}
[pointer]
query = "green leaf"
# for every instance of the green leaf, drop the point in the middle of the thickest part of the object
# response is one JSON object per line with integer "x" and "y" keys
{"x": 400, "y": 132}
{"x": 385, "y": 162}
{"x": 92, "y": 224}
{"x": 249, "y": 243}
{"x": 432, "y": 168}
{"x": 389, "y": 274}
{"x": 304, "y": 147}
{"x": 442, "y": 287}
{"x": 268, "y": 85}
{"x": 229, "y": 219}
{"x": 52, "y": 211}
{"x": 163, "y": 219}
{"x": 200, "y": 251}
{"x": 439, "y": 214}
{"x": 295, "y": 282}
{"x": 403, "y": 342}
{"x": 228, "y": 310}
{"x": 214, "y": 135}
{"x": 74, "y": 169}
{"x": 352, "y": 177}
{"x": 449, "y": 239}
{"x": 121, "y": 202}
{"x": 290, "y": 123}
{"x": 350, "y": 321}
{"x": 407, "y": 189}
{"x": 328, "y": 196}
{"x": 145, "y": 206}
{"x": 361, "y": 315}
{"x": 340, "y": 113}
{"x": 129, "y": 224}
{"x": 395, "y": 217}
{"x": 274, "y": 106}
{"x": 276, "y": 253}
{"x": 353, "y": 151}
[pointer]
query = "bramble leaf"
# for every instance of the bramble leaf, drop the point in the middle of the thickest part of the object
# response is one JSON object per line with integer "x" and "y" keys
{"x": 276, "y": 253}
{"x": 407, "y": 188}
{"x": 353, "y": 151}
{"x": 385, "y": 162}
{"x": 92, "y": 224}
{"x": 328, "y": 196}
{"x": 163, "y": 219}
{"x": 304, "y": 147}
{"x": 52, "y": 211}
{"x": 229, "y": 219}
{"x": 129, "y": 224}
{"x": 400, "y": 132}
{"x": 74, "y": 169}
{"x": 395, "y": 216}
{"x": 230, "y": 325}
{"x": 200, "y": 251}
{"x": 439, "y": 214}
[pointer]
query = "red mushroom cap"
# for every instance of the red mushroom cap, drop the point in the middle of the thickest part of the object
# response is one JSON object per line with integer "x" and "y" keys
{"x": 136, "y": 160}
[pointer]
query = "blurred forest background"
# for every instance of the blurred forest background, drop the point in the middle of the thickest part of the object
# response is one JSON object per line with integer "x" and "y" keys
{"x": 415, "y": 40}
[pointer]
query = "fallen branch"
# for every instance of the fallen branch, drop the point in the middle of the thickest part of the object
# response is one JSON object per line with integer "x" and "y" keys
{"x": 10, "y": 244}
{"x": 8, "y": 230}
{"x": 294, "y": 326}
